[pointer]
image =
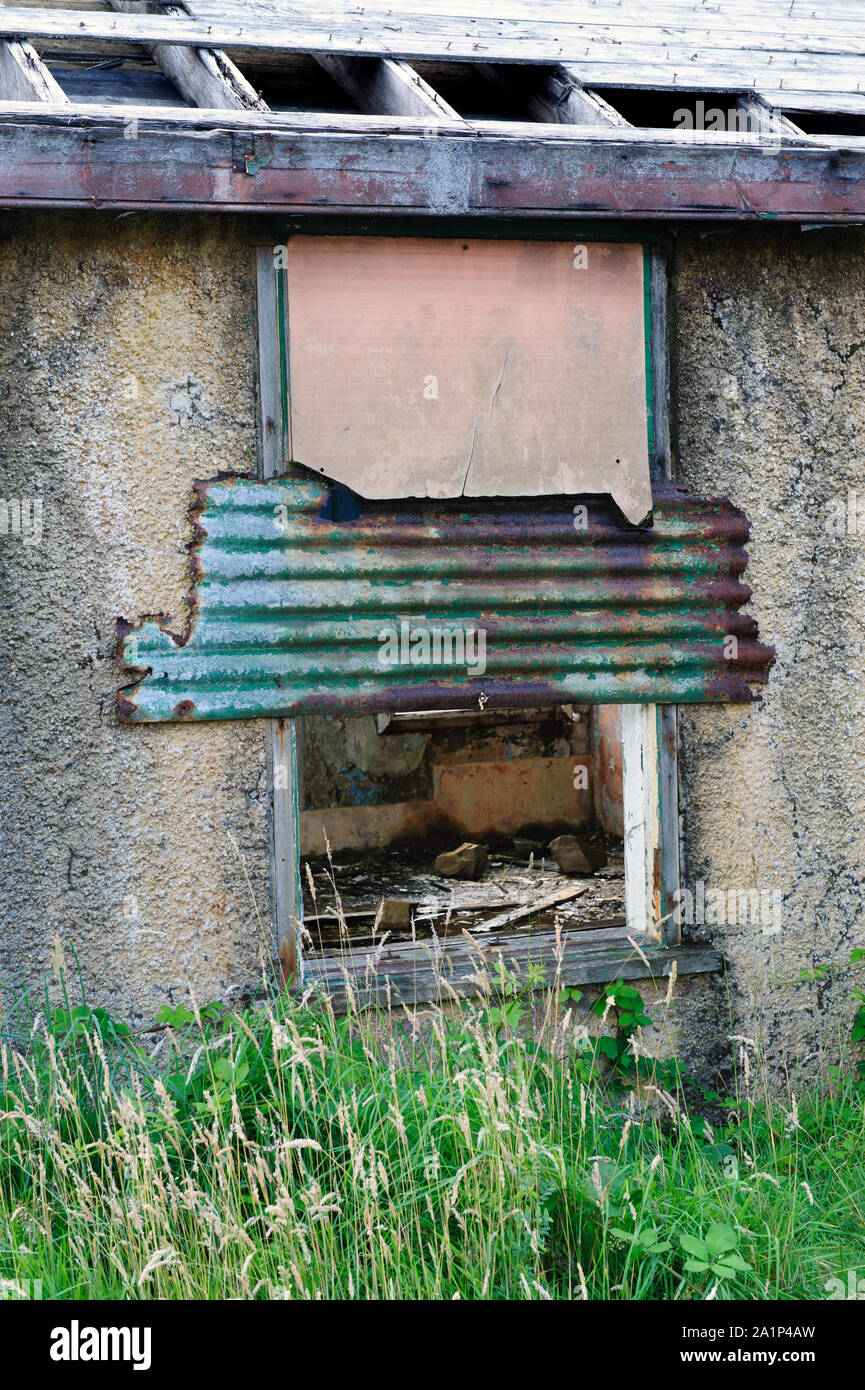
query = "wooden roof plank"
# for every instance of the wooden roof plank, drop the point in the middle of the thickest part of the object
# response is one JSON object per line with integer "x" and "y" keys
{"x": 675, "y": 60}
{"x": 728, "y": 23}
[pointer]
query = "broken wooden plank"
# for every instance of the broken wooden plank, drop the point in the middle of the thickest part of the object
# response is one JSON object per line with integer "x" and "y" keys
{"x": 461, "y": 951}
{"x": 203, "y": 76}
{"x": 24, "y": 77}
{"x": 518, "y": 914}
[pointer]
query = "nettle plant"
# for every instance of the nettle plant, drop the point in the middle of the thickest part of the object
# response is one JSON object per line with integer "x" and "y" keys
{"x": 610, "y": 1057}
{"x": 716, "y": 1253}
{"x": 623, "y": 1005}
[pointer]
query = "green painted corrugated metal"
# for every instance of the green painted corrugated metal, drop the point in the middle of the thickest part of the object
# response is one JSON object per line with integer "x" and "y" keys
{"x": 294, "y": 612}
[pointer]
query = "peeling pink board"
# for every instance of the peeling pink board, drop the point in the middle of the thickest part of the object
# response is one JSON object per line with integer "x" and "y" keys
{"x": 440, "y": 367}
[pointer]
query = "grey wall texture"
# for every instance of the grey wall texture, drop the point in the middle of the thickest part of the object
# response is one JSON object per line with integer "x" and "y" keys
{"x": 127, "y": 369}
{"x": 769, "y": 409}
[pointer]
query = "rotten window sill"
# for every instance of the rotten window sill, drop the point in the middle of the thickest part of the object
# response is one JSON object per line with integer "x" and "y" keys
{"x": 429, "y": 972}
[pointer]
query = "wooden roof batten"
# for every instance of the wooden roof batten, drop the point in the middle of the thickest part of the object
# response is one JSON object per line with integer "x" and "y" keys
{"x": 575, "y": 154}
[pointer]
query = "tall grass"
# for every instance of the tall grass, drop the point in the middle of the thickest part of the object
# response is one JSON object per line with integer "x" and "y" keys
{"x": 284, "y": 1152}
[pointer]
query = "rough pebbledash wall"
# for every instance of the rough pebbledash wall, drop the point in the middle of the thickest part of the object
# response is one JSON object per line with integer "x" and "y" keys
{"x": 127, "y": 369}
{"x": 769, "y": 369}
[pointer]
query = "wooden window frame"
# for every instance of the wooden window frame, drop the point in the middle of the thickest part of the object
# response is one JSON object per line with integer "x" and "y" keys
{"x": 650, "y": 731}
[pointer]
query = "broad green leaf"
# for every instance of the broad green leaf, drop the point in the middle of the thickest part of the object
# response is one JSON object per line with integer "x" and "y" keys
{"x": 720, "y": 1237}
{"x": 734, "y": 1263}
{"x": 694, "y": 1246}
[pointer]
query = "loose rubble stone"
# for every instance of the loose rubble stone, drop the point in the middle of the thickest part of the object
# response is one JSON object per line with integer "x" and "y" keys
{"x": 395, "y": 914}
{"x": 525, "y": 848}
{"x": 467, "y": 861}
{"x": 574, "y": 856}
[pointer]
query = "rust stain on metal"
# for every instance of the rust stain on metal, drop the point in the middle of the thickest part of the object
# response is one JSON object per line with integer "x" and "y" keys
{"x": 293, "y": 611}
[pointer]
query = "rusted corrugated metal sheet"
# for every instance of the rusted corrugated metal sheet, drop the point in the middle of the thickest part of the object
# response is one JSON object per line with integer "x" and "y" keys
{"x": 293, "y": 612}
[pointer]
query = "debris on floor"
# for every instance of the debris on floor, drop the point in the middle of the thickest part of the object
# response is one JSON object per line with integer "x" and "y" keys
{"x": 349, "y": 891}
{"x": 536, "y": 906}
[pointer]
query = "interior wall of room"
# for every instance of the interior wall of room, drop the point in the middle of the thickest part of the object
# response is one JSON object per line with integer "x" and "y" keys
{"x": 366, "y": 790}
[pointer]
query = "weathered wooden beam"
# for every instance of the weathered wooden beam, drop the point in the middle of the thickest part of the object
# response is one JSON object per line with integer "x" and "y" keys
{"x": 387, "y": 86}
{"x": 24, "y": 77}
{"x": 668, "y": 768}
{"x": 286, "y": 891}
{"x": 186, "y": 159}
{"x": 203, "y": 76}
{"x": 589, "y": 108}
{"x": 415, "y": 974}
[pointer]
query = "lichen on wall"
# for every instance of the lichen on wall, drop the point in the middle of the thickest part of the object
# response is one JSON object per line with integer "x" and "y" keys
{"x": 127, "y": 370}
